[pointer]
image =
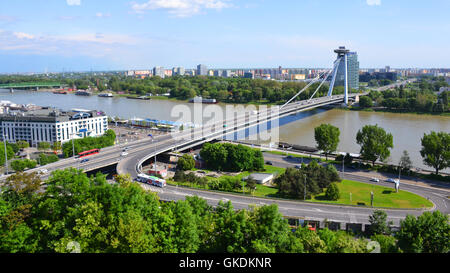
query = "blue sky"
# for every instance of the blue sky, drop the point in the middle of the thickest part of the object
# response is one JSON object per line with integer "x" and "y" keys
{"x": 57, "y": 35}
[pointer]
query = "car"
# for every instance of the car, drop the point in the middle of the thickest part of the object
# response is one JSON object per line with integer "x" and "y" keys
{"x": 392, "y": 180}
{"x": 125, "y": 149}
{"x": 84, "y": 160}
{"x": 298, "y": 166}
{"x": 269, "y": 163}
{"x": 124, "y": 154}
{"x": 290, "y": 157}
{"x": 44, "y": 171}
{"x": 375, "y": 180}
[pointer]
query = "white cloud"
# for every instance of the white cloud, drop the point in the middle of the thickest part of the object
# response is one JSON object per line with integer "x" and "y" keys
{"x": 22, "y": 35}
{"x": 102, "y": 15}
{"x": 181, "y": 8}
{"x": 73, "y": 2}
{"x": 373, "y": 2}
{"x": 85, "y": 44}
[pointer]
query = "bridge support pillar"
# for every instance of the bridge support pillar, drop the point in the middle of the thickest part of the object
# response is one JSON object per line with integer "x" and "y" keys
{"x": 346, "y": 80}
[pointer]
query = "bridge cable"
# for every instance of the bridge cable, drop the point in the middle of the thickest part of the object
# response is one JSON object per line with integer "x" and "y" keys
{"x": 333, "y": 79}
{"x": 301, "y": 91}
{"x": 323, "y": 81}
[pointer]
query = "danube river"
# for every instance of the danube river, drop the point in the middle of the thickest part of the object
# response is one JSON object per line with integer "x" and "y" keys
{"x": 407, "y": 129}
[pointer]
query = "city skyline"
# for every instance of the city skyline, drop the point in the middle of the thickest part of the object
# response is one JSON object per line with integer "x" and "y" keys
{"x": 79, "y": 35}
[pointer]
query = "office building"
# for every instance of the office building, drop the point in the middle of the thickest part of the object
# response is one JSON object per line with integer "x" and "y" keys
{"x": 178, "y": 71}
{"x": 159, "y": 71}
{"x": 202, "y": 70}
{"x": 352, "y": 70}
{"x": 52, "y": 125}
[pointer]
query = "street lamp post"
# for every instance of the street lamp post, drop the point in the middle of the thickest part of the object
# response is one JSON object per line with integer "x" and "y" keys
{"x": 6, "y": 154}
{"x": 304, "y": 187}
{"x": 73, "y": 146}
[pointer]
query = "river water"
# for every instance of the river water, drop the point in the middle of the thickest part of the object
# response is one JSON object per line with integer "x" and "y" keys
{"x": 407, "y": 129}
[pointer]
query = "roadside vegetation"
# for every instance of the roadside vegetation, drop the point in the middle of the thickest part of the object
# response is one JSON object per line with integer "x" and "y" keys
{"x": 89, "y": 143}
{"x": 227, "y": 90}
{"x": 123, "y": 218}
{"x": 419, "y": 97}
{"x": 232, "y": 158}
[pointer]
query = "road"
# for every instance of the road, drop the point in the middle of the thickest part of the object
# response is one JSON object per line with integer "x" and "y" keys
{"x": 437, "y": 195}
{"x": 393, "y": 85}
{"x": 312, "y": 211}
{"x": 146, "y": 148}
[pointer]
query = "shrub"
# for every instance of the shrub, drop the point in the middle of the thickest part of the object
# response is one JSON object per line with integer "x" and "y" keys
{"x": 186, "y": 162}
{"x": 332, "y": 192}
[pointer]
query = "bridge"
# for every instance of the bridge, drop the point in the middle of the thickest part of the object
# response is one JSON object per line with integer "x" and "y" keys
{"x": 29, "y": 85}
{"x": 141, "y": 151}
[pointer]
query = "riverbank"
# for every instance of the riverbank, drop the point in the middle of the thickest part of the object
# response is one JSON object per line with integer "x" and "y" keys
{"x": 386, "y": 110}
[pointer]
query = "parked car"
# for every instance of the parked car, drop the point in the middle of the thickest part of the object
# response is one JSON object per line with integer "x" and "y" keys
{"x": 375, "y": 180}
{"x": 44, "y": 171}
{"x": 298, "y": 166}
{"x": 269, "y": 163}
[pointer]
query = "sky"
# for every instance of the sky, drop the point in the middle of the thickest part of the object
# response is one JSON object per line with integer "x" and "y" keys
{"x": 83, "y": 35}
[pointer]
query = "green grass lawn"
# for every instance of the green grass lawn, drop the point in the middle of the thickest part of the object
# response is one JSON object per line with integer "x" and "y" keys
{"x": 302, "y": 156}
{"x": 383, "y": 196}
{"x": 261, "y": 190}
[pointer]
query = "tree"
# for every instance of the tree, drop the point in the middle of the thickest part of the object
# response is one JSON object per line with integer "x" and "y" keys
{"x": 327, "y": 138}
{"x": 56, "y": 146}
{"x": 388, "y": 244}
{"x": 375, "y": 143}
{"x": 307, "y": 181}
{"x": 436, "y": 150}
{"x": 43, "y": 146}
{"x": 332, "y": 192}
{"x": 9, "y": 151}
{"x": 22, "y": 164}
{"x": 428, "y": 233}
{"x": 250, "y": 183}
{"x": 348, "y": 159}
{"x": 23, "y": 144}
{"x": 25, "y": 184}
{"x": 378, "y": 222}
{"x": 186, "y": 162}
{"x": 215, "y": 155}
{"x": 405, "y": 161}
{"x": 365, "y": 102}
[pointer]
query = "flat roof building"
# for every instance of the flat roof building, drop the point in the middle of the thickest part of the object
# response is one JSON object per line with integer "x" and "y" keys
{"x": 52, "y": 125}
{"x": 202, "y": 70}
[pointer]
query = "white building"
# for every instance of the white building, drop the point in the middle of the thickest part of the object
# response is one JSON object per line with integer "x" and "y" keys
{"x": 159, "y": 71}
{"x": 51, "y": 125}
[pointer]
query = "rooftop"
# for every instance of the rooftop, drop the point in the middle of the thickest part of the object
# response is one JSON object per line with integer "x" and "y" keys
{"x": 49, "y": 114}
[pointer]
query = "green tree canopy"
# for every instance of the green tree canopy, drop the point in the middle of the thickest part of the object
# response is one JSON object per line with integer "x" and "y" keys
{"x": 428, "y": 233}
{"x": 436, "y": 150}
{"x": 375, "y": 143}
{"x": 327, "y": 138}
{"x": 186, "y": 162}
{"x": 332, "y": 193}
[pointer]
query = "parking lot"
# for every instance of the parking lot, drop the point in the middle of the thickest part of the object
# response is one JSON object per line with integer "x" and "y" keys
{"x": 126, "y": 133}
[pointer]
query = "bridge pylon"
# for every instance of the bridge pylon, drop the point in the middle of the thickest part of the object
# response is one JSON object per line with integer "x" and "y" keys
{"x": 340, "y": 63}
